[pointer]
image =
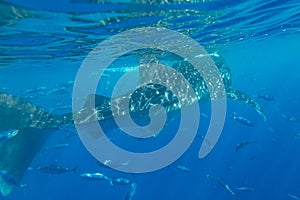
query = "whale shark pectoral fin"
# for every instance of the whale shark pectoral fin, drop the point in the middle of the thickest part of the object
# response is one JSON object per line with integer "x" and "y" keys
{"x": 18, "y": 152}
{"x": 240, "y": 96}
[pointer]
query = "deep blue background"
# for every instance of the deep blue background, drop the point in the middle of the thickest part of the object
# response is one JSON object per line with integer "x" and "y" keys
{"x": 270, "y": 166}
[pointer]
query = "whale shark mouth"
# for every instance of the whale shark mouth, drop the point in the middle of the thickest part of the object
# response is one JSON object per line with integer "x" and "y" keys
{"x": 35, "y": 125}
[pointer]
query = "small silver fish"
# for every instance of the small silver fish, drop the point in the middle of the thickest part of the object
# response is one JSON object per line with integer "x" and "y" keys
{"x": 121, "y": 181}
{"x": 204, "y": 115}
{"x": 56, "y": 147}
{"x": 243, "y": 145}
{"x": 56, "y": 169}
{"x": 183, "y": 168}
{"x": 96, "y": 177}
{"x": 290, "y": 118}
{"x": 112, "y": 164}
{"x": 245, "y": 189}
{"x": 242, "y": 120}
{"x": 131, "y": 192}
{"x": 29, "y": 168}
{"x": 294, "y": 196}
{"x": 36, "y": 90}
{"x": 58, "y": 91}
{"x": 219, "y": 182}
{"x": 6, "y": 135}
{"x": 67, "y": 84}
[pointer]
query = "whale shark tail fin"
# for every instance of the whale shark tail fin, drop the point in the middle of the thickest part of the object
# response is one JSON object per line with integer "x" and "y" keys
{"x": 240, "y": 96}
{"x": 17, "y": 154}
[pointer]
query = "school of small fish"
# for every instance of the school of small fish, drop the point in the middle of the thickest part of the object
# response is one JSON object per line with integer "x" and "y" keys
{"x": 97, "y": 176}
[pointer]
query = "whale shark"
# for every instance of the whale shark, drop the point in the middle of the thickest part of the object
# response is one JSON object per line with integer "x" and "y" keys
{"x": 35, "y": 124}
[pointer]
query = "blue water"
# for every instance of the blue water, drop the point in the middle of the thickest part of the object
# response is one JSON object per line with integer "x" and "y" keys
{"x": 43, "y": 44}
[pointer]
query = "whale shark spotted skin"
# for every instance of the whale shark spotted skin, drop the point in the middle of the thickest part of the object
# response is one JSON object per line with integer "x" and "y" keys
{"x": 35, "y": 124}
{"x": 149, "y": 93}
